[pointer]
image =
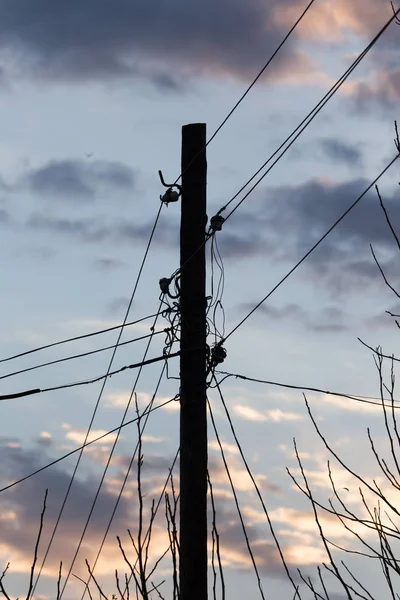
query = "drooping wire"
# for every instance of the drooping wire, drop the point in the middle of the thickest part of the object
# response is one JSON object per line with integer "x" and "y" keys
{"x": 305, "y": 122}
{"x": 250, "y": 551}
{"x": 81, "y": 355}
{"x": 107, "y": 465}
{"x": 103, "y": 378}
{"x": 125, "y": 320}
{"x": 300, "y": 128}
{"x": 215, "y": 545}
{"x": 355, "y": 397}
{"x": 68, "y": 454}
{"x": 220, "y": 291}
{"x": 172, "y": 312}
{"x": 271, "y": 528}
{"x": 260, "y": 73}
{"x": 157, "y": 507}
{"x": 76, "y": 338}
{"x": 171, "y": 337}
{"x": 307, "y": 254}
{"x": 149, "y": 406}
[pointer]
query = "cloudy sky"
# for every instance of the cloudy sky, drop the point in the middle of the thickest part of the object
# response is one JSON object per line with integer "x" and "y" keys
{"x": 93, "y": 95}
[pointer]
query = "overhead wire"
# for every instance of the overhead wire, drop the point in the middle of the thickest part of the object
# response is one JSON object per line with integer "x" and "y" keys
{"x": 125, "y": 320}
{"x": 127, "y": 473}
{"x": 171, "y": 309}
{"x": 32, "y": 392}
{"x": 81, "y": 355}
{"x": 305, "y": 122}
{"x": 111, "y": 453}
{"x": 307, "y": 254}
{"x": 252, "y": 84}
{"x": 249, "y": 549}
{"x": 76, "y": 338}
{"x": 257, "y": 489}
{"x": 298, "y": 130}
{"x": 156, "y": 509}
{"x": 355, "y": 397}
{"x": 248, "y": 315}
{"x": 215, "y": 298}
{"x": 166, "y": 352}
{"x": 83, "y": 446}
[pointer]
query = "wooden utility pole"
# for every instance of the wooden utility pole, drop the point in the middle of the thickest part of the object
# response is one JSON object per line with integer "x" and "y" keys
{"x": 193, "y": 419}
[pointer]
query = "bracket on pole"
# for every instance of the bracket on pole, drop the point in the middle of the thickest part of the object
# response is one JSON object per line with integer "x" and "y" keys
{"x": 170, "y": 195}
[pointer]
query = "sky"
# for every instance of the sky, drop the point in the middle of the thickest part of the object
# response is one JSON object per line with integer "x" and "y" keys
{"x": 93, "y": 95}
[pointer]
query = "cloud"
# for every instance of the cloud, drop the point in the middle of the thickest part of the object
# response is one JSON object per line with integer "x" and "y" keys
{"x": 119, "y": 399}
{"x": 230, "y": 448}
{"x": 78, "y": 180}
{"x": 275, "y": 414}
{"x": 20, "y": 509}
{"x": 108, "y": 264}
{"x": 332, "y": 21}
{"x": 96, "y": 39}
{"x": 151, "y": 439}
{"x": 328, "y": 320}
{"x": 4, "y": 216}
{"x": 294, "y": 217}
{"x": 341, "y": 152}
{"x": 45, "y": 439}
{"x": 118, "y": 305}
{"x": 248, "y": 413}
{"x": 78, "y": 435}
{"x": 94, "y": 230}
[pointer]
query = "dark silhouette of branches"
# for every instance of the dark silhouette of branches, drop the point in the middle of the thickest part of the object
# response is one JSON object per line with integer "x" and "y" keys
{"x": 372, "y": 525}
{"x": 29, "y": 594}
{"x": 216, "y": 550}
{"x": 140, "y": 574}
{"x": 378, "y": 517}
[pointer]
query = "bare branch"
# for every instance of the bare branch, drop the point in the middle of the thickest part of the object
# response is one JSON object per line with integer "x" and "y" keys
{"x": 59, "y": 582}
{"x": 85, "y": 583}
{"x": 37, "y": 547}
{"x": 102, "y": 595}
{"x": 2, "y": 590}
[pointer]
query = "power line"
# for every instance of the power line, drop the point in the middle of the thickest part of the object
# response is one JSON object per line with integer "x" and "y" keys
{"x": 150, "y": 404}
{"x": 300, "y": 128}
{"x": 260, "y": 73}
{"x": 146, "y": 252}
{"x": 272, "y": 530}
{"x": 107, "y": 466}
{"x": 88, "y": 381}
{"x": 81, "y": 355}
{"x": 161, "y": 496}
{"x": 305, "y": 122}
{"x": 355, "y": 397}
{"x": 311, "y": 249}
{"x": 74, "y": 339}
{"x": 289, "y": 33}
{"x": 236, "y": 501}
{"x": 54, "y": 462}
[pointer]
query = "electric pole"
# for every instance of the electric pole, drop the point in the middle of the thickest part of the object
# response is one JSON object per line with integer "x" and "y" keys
{"x": 193, "y": 400}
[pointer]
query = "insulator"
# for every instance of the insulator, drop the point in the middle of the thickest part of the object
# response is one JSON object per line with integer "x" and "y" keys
{"x": 216, "y": 222}
{"x": 164, "y": 285}
{"x": 218, "y": 355}
{"x": 170, "y": 196}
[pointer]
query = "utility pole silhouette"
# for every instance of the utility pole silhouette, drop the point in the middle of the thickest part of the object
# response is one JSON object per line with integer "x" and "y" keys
{"x": 193, "y": 399}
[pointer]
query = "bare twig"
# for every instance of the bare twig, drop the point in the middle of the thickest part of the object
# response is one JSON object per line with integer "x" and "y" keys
{"x": 2, "y": 590}
{"x": 37, "y": 547}
{"x": 59, "y": 581}
{"x": 216, "y": 539}
{"x": 102, "y": 595}
{"x": 85, "y": 583}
